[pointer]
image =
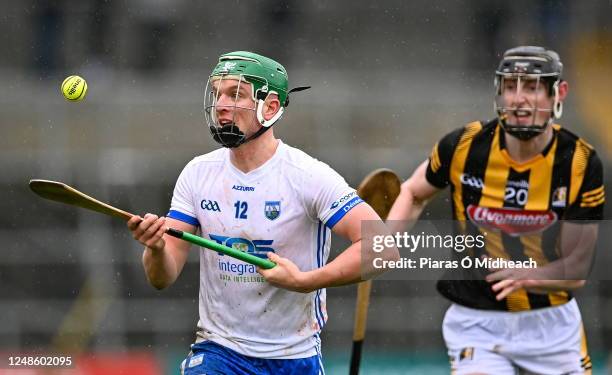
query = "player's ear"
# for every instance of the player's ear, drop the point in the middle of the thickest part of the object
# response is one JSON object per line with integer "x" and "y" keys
{"x": 271, "y": 106}
{"x": 563, "y": 90}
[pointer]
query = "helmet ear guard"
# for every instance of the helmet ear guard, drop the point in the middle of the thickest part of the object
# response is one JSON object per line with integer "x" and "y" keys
{"x": 558, "y": 104}
{"x": 267, "y": 123}
{"x": 261, "y": 97}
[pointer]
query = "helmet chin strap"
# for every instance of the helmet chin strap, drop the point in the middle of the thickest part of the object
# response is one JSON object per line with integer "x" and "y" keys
{"x": 227, "y": 135}
{"x": 525, "y": 133}
{"x": 231, "y": 136}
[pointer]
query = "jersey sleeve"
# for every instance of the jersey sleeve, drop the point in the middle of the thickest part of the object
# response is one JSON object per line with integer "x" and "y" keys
{"x": 327, "y": 195}
{"x": 183, "y": 206}
{"x": 438, "y": 168}
{"x": 589, "y": 203}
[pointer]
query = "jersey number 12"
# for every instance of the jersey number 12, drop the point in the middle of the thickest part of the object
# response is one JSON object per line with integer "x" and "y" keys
{"x": 241, "y": 209}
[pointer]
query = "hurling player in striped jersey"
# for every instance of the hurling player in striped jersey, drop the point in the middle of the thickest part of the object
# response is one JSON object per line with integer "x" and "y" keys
{"x": 535, "y": 191}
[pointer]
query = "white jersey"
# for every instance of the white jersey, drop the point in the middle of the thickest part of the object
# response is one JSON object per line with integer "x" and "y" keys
{"x": 288, "y": 205}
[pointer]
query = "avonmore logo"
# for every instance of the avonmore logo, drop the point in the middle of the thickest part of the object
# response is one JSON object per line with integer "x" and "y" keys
{"x": 512, "y": 221}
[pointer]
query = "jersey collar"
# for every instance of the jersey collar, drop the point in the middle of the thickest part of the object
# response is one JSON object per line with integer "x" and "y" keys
{"x": 259, "y": 171}
{"x": 528, "y": 164}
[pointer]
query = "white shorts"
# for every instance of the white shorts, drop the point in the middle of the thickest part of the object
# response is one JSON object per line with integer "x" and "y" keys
{"x": 542, "y": 341}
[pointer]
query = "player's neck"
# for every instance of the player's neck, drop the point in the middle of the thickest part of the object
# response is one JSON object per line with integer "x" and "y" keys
{"x": 523, "y": 151}
{"x": 255, "y": 153}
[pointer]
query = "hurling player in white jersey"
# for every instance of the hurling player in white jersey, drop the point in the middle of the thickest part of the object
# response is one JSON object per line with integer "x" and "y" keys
{"x": 264, "y": 197}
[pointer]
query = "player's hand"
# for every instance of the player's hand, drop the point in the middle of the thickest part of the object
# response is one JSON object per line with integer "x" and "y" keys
{"x": 508, "y": 280}
{"x": 285, "y": 274}
{"x": 148, "y": 231}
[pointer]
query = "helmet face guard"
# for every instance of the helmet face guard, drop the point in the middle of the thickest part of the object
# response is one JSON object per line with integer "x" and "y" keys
{"x": 524, "y": 76}
{"x": 263, "y": 75}
{"x": 227, "y": 134}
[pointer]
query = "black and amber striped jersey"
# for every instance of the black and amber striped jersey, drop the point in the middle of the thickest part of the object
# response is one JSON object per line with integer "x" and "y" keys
{"x": 522, "y": 201}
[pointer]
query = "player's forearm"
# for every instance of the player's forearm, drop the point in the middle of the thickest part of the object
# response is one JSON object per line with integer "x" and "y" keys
{"x": 547, "y": 286}
{"x": 406, "y": 210}
{"x": 556, "y": 276}
{"x": 568, "y": 272}
{"x": 160, "y": 267}
{"x": 346, "y": 268}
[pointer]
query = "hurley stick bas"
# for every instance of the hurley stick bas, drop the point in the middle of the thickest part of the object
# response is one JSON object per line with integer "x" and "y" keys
{"x": 60, "y": 192}
{"x": 379, "y": 189}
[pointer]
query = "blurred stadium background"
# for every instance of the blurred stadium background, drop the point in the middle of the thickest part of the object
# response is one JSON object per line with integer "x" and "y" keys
{"x": 389, "y": 78}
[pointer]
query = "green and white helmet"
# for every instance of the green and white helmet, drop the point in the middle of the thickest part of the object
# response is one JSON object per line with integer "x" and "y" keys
{"x": 265, "y": 75}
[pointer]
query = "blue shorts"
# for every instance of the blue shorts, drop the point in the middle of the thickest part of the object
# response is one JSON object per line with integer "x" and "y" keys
{"x": 213, "y": 359}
